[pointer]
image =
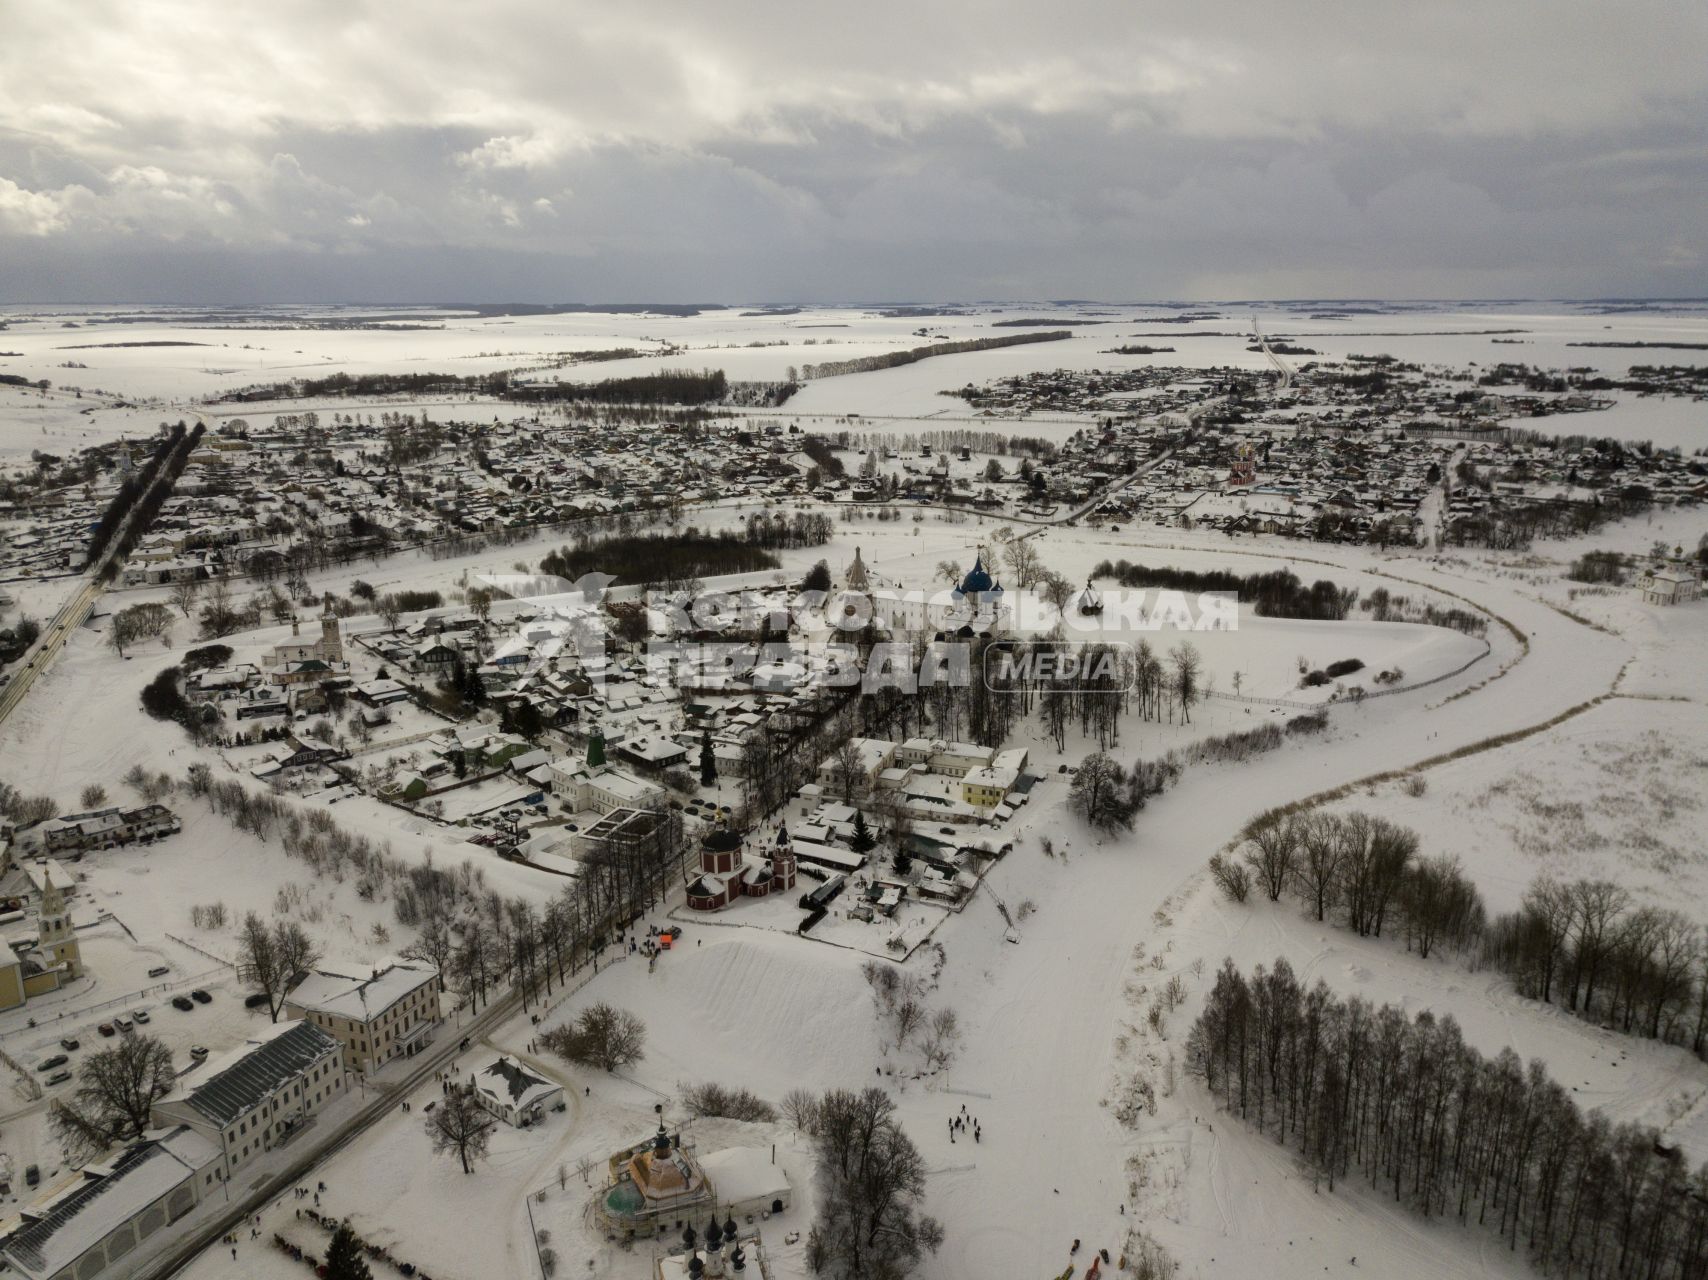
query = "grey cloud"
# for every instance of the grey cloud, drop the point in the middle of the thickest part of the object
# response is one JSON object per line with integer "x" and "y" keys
{"x": 956, "y": 150}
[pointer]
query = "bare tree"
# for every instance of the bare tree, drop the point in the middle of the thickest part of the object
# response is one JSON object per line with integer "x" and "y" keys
{"x": 602, "y": 1035}
{"x": 800, "y": 1109}
{"x": 869, "y": 1223}
{"x": 1099, "y": 793}
{"x": 461, "y": 1125}
{"x": 942, "y": 1037}
{"x": 1597, "y": 904}
{"x": 273, "y": 959}
{"x": 1232, "y": 878}
{"x": 93, "y": 796}
{"x": 1274, "y": 846}
{"x": 1056, "y": 589}
{"x": 434, "y": 943}
{"x": 184, "y": 593}
{"x": 1318, "y": 865}
{"x": 908, "y": 1016}
{"x": 1187, "y": 665}
{"x": 115, "y": 1093}
{"x": 121, "y": 632}
{"x": 480, "y": 604}
{"x": 728, "y": 1102}
{"x": 848, "y": 768}
{"x": 1023, "y": 563}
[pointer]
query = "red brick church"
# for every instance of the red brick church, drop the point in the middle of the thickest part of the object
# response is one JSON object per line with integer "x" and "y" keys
{"x": 728, "y": 871}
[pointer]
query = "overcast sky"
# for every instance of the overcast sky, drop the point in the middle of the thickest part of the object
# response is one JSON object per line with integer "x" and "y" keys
{"x": 930, "y": 150}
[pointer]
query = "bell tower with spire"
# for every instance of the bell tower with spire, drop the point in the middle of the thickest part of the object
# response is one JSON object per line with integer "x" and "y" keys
{"x": 331, "y": 643}
{"x": 57, "y": 939}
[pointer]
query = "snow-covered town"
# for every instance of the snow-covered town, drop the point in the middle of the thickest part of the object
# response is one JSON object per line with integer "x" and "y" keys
{"x": 668, "y": 789}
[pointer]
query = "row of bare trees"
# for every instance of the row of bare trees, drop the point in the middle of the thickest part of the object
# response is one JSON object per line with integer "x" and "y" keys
{"x": 900, "y": 998}
{"x": 1583, "y": 944}
{"x": 1406, "y": 1104}
{"x": 1586, "y": 945}
{"x": 486, "y": 943}
{"x": 483, "y": 942}
{"x": 1365, "y": 870}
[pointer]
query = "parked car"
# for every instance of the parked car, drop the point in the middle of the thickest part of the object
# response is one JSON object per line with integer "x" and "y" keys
{"x": 58, "y": 1077}
{"x": 183, "y": 1004}
{"x": 32, "y": 1176}
{"x": 69, "y": 1043}
{"x": 160, "y": 971}
{"x": 141, "y": 1015}
{"x": 124, "y": 1024}
{"x": 106, "y": 1028}
{"x": 255, "y": 1001}
{"x": 48, "y": 1064}
{"x": 200, "y": 996}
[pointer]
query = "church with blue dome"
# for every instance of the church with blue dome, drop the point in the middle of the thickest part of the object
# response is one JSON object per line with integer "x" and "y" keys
{"x": 972, "y": 606}
{"x": 978, "y": 585}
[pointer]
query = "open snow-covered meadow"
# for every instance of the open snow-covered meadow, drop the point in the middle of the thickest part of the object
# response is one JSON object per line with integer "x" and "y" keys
{"x": 136, "y": 365}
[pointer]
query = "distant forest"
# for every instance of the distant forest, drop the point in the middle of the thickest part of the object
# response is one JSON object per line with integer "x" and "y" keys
{"x": 913, "y": 355}
{"x": 668, "y": 386}
{"x": 1280, "y": 593}
{"x": 660, "y": 559}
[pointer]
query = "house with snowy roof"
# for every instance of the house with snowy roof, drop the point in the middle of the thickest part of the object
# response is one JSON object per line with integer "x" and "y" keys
{"x": 514, "y": 1093}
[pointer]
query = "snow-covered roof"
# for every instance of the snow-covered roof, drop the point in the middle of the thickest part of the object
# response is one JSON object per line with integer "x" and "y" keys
{"x": 86, "y": 1214}
{"x": 511, "y": 1084}
{"x": 362, "y": 997}
{"x": 240, "y": 1080}
{"x": 743, "y": 1174}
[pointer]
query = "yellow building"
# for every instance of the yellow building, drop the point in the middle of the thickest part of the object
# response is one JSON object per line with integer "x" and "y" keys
{"x": 388, "y": 1012}
{"x": 55, "y": 961}
{"x": 988, "y": 787}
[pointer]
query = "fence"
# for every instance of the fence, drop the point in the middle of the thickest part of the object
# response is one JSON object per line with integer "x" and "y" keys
{"x": 392, "y": 743}
{"x": 32, "y": 1086}
{"x": 202, "y": 951}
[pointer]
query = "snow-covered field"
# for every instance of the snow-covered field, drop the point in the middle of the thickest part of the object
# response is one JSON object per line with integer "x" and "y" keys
{"x": 195, "y": 361}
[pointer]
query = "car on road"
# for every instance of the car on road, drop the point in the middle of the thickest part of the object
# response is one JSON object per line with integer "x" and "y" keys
{"x": 48, "y": 1064}
{"x": 198, "y": 1052}
{"x": 160, "y": 971}
{"x": 183, "y": 1004}
{"x": 70, "y": 1043}
{"x": 106, "y": 1028}
{"x": 200, "y": 996}
{"x": 32, "y": 1176}
{"x": 58, "y": 1077}
{"x": 141, "y": 1015}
